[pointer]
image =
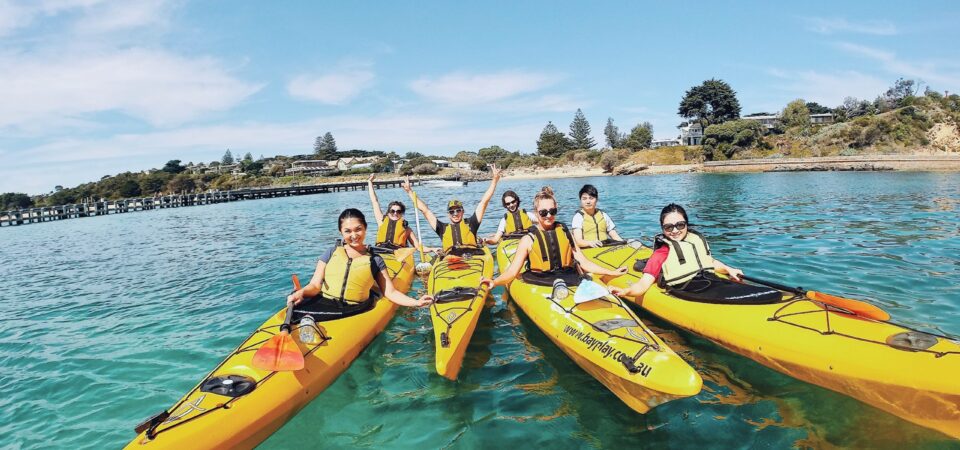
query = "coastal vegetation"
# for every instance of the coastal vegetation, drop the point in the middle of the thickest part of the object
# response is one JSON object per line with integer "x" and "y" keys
{"x": 901, "y": 120}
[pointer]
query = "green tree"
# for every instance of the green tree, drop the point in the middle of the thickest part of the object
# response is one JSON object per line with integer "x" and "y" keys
{"x": 180, "y": 184}
{"x": 412, "y": 155}
{"x": 612, "y": 133}
{"x": 901, "y": 90}
{"x": 722, "y": 141}
{"x": 227, "y": 157}
{"x": 580, "y": 132}
{"x": 248, "y": 158}
{"x": 816, "y": 108}
{"x": 712, "y": 102}
{"x": 173, "y": 166}
{"x": 325, "y": 147}
{"x": 493, "y": 154}
{"x": 14, "y": 200}
{"x": 552, "y": 142}
{"x": 329, "y": 143}
{"x": 640, "y": 137}
{"x": 465, "y": 156}
{"x": 414, "y": 163}
{"x": 152, "y": 183}
{"x": 796, "y": 115}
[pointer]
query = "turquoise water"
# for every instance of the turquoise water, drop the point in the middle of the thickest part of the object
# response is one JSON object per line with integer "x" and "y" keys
{"x": 106, "y": 321}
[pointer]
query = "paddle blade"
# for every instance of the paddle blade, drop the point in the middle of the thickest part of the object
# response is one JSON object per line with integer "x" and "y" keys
{"x": 296, "y": 281}
{"x": 403, "y": 253}
{"x": 857, "y": 307}
{"x": 589, "y": 290}
{"x": 280, "y": 353}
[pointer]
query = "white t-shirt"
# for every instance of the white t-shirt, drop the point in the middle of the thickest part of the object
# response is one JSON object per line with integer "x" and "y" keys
{"x": 577, "y": 223}
{"x": 502, "y": 227}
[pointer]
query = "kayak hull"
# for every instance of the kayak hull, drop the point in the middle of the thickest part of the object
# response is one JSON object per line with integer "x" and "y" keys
{"x": 838, "y": 351}
{"x": 455, "y": 321}
{"x": 658, "y": 375}
{"x": 208, "y": 420}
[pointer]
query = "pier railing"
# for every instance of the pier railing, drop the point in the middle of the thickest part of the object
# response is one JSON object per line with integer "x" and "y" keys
{"x": 108, "y": 207}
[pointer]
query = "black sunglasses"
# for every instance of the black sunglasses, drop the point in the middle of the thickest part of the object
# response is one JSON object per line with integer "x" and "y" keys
{"x": 668, "y": 227}
{"x": 455, "y": 210}
{"x": 513, "y": 202}
{"x": 396, "y": 211}
{"x": 547, "y": 212}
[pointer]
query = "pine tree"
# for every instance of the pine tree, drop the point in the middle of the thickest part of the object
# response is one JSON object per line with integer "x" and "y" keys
{"x": 612, "y": 133}
{"x": 318, "y": 146}
{"x": 552, "y": 142}
{"x": 248, "y": 157}
{"x": 227, "y": 158}
{"x": 580, "y": 132}
{"x": 329, "y": 143}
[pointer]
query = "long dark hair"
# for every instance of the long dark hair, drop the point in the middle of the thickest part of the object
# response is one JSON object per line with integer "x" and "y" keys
{"x": 503, "y": 198}
{"x": 351, "y": 213}
{"x": 673, "y": 208}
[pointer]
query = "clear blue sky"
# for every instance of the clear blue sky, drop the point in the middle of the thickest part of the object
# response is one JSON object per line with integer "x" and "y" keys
{"x": 90, "y": 88}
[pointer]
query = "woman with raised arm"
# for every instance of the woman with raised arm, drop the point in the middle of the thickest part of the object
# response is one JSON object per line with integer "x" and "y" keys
{"x": 393, "y": 231}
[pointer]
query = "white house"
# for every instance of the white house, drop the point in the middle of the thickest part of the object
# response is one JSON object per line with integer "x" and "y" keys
{"x": 309, "y": 167}
{"x": 690, "y": 133}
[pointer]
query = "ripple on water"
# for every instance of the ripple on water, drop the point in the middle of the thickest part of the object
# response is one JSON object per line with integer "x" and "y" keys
{"x": 105, "y": 321}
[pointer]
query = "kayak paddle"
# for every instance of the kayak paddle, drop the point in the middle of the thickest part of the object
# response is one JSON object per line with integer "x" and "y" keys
{"x": 281, "y": 352}
{"x": 423, "y": 267}
{"x": 857, "y": 307}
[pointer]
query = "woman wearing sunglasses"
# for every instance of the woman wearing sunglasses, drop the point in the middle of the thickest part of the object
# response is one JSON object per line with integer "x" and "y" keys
{"x": 680, "y": 255}
{"x": 394, "y": 231}
{"x": 515, "y": 220}
{"x": 548, "y": 247}
{"x": 459, "y": 232}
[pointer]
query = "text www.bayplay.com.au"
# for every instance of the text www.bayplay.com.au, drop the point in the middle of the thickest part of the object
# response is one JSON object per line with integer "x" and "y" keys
{"x": 603, "y": 347}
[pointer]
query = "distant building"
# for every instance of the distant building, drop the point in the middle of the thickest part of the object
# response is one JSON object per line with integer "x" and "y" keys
{"x": 441, "y": 163}
{"x": 461, "y": 165}
{"x": 772, "y": 121}
{"x": 690, "y": 133}
{"x": 821, "y": 119}
{"x": 665, "y": 142}
{"x": 309, "y": 167}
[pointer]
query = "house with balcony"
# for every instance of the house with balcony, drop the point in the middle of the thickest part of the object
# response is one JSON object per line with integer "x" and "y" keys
{"x": 310, "y": 167}
{"x": 691, "y": 133}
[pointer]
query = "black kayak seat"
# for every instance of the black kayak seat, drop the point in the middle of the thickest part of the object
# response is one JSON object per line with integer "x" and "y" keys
{"x": 709, "y": 288}
{"x": 324, "y": 309}
{"x": 570, "y": 277}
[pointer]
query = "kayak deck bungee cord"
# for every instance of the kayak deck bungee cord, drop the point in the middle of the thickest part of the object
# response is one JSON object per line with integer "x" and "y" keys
{"x": 454, "y": 282}
{"x": 602, "y": 336}
{"x": 908, "y": 373}
{"x": 238, "y": 405}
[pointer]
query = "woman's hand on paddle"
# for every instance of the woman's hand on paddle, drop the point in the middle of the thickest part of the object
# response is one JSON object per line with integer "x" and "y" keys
{"x": 296, "y": 297}
{"x": 596, "y": 244}
{"x": 425, "y": 300}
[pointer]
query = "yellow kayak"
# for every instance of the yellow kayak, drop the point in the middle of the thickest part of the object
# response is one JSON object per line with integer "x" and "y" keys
{"x": 238, "y": 406}
{"x": 904, "y": 372}
{"x": 604, "y": 337}
{"x": 454, "y": 283}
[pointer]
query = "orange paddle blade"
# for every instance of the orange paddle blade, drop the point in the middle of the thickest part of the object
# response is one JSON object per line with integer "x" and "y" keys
{"x": 296, "y": 282}
{"x": 279, "y": 353}
{"x": 855, "y": 306}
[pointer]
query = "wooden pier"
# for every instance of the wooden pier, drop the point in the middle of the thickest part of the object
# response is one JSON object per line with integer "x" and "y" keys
{"x": 108, "y": 207}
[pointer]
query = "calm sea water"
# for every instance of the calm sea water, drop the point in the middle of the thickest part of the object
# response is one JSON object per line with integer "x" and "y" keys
{"x": 105, "y": 321}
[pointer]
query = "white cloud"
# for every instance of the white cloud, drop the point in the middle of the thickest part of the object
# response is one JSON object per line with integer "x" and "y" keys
{"x": 124, "y": 15}
{"x": 153, "y": 85}
{"x": 827, "y": 88}
{"x": 471, "y": 89}
{"x": 332, "y": 88}
{"x": 946, "y": 75}
{"x": 825, "y": 25}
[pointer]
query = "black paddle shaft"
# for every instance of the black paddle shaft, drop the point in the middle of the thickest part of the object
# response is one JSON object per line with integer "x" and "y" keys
{"x": 286, "y": 322}
{"x": 795, "y": 290}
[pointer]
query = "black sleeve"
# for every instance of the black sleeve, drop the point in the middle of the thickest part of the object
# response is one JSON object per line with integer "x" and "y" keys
{"x": 377, "y": 265}
{"x": 326, "y": 256}
{"x": 473, "y": 223}
{"x": 440, "y": 228}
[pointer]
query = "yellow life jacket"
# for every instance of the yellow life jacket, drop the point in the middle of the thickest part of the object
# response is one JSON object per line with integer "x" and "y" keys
{"x": 595, "y": 226}
{"x": 516, "y": 221}
{"x": 348, "y": 279}
{"x": 392, "y": 232}
{"x": 458, "y": 235}
{"x": 552, "y": 249}
{"x": 687, "y": 258}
